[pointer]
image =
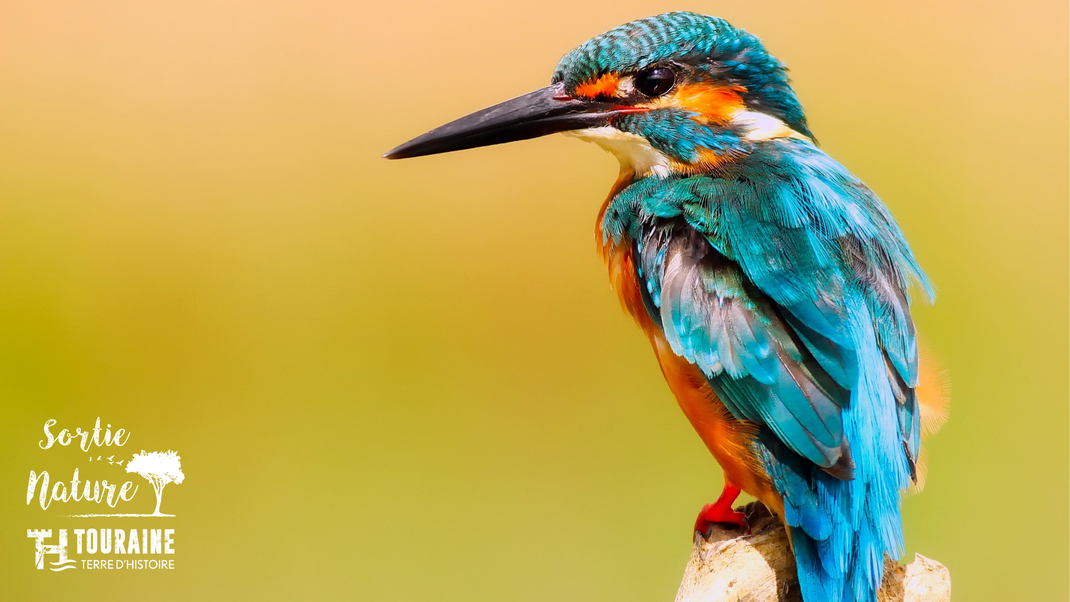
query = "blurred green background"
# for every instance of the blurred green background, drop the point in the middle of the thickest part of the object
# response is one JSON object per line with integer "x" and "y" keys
{"x": 410, "y": 380}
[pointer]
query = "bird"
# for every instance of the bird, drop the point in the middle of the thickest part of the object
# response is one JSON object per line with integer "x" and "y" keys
{"x": 773, "y": 285}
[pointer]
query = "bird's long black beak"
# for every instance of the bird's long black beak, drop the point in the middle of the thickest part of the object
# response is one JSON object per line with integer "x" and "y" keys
{"x": 535, "y": 114}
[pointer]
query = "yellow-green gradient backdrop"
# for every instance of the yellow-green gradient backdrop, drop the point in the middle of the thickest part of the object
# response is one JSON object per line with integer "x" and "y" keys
{"x": 409, "y": 380}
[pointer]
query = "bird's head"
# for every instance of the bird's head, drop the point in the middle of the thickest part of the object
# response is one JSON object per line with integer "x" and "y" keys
{"x": 679, "y": 92}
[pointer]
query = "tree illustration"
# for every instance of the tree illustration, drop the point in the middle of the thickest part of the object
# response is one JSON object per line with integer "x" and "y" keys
{"x": 159, "y": 468}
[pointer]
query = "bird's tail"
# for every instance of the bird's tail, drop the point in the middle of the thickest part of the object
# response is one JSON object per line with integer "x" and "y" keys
{"x": 840, "y": 561}
{"x": 843, "y": 530}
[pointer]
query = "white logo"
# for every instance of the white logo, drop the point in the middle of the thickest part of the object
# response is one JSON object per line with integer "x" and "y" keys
{"x": 135, "y": 548}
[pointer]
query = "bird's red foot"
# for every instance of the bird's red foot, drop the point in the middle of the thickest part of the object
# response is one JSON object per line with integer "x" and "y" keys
{"x": 721, "y": 512}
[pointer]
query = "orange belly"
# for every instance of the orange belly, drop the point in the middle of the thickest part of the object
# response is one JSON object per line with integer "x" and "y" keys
{"x": 728, "y": 439}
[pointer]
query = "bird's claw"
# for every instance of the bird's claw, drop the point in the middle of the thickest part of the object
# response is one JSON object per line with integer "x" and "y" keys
{"x": 712, "y": 514}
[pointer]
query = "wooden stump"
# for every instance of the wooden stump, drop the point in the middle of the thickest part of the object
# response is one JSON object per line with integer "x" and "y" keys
{"x": 730, "y": 567}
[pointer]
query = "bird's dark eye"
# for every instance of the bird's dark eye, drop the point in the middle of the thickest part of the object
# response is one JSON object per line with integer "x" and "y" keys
{"x": 656, "y": 81}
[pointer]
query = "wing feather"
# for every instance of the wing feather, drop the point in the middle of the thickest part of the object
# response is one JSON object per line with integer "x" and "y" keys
{"x": 712, "y": 316}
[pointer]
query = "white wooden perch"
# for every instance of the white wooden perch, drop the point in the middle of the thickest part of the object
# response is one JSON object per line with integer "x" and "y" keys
{"x": 759, "y": 567}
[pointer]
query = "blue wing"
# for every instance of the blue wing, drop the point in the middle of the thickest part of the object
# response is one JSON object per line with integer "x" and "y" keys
{"x": 814, "y": 241}
{"x": 753, "y": 358}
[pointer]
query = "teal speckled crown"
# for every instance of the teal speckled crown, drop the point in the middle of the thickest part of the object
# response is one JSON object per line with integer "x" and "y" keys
{"x": 728, "y": 53}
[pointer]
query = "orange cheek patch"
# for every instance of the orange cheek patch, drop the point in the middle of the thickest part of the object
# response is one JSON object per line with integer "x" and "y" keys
{"x": 717, "y": 104}
{"x": 604, "y": 86}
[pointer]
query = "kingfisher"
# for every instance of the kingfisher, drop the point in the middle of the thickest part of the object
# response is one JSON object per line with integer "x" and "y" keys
{"x": 772, "y": 283}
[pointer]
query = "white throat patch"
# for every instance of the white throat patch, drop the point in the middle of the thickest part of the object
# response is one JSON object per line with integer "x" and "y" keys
{"x": 636, "y": 154}
{"x": 633, "y": 151}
